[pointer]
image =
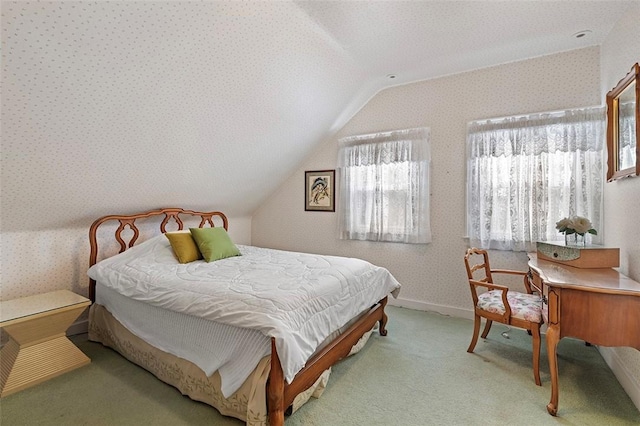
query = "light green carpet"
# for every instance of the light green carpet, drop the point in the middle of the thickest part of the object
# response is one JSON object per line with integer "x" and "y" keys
{"x": 420, "y": 374}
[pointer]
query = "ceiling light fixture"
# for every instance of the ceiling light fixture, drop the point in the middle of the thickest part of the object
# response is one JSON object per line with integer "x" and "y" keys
{"x": 582, "y": 33}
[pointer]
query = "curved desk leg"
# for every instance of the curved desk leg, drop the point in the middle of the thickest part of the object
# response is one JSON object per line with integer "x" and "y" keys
{"x": 553, "y": 337}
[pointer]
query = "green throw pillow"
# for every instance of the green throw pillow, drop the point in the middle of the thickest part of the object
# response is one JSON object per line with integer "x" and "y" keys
{"x": 214, "y": 243}
{"x": 184, "y": 247}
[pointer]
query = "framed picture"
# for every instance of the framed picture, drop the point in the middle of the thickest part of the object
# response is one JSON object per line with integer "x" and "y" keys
{"x": 319, "y": 191}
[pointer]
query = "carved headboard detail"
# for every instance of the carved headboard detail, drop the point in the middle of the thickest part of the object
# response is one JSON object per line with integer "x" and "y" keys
{"x": 170, "y": 214}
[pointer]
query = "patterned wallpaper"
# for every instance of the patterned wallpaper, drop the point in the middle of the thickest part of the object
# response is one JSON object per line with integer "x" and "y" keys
{"x": 618, "y": 53}
{"x": 40, "y": 261}
{"x": 152, "y": 104}
{"x": 432, "y": 275}
{"x": 215, "y": 103}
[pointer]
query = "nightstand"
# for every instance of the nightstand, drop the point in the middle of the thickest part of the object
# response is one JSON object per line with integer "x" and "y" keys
{"x": 38, "y": 348}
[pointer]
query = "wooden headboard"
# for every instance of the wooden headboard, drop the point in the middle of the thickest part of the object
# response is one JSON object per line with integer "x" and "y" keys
{"x": 130, "y": 221}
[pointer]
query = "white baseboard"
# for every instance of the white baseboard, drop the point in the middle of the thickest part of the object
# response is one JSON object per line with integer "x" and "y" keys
{"x": 423, "y": 306}
{"x": 622, "y": 373}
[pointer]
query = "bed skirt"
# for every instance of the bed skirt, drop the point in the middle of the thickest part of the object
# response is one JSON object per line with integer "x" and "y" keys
{"x": 248, "y": 403}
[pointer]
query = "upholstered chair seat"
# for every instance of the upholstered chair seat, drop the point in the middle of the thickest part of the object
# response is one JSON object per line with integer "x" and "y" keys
{"x": 524, "y": 306}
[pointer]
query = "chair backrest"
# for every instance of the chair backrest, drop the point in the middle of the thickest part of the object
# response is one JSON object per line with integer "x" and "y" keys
{"x": 472, "y": 256}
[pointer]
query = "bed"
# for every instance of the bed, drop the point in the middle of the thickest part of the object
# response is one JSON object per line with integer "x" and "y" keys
{"x": 254, "y": 336}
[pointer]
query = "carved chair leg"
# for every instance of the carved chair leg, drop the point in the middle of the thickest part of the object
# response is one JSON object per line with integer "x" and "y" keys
{"x": 536, "y": 354}
{"x": 476, "y": 330}
{"x": 487, "y": 327}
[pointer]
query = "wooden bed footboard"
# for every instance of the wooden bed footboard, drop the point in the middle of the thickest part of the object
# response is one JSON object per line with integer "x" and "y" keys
{"x": 280, "y": 395}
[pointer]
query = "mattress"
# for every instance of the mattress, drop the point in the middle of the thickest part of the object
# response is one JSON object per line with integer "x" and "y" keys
{"x": 297, "y": 298}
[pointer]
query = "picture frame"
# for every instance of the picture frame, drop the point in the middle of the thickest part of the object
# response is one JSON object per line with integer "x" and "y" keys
{"x": 319, "y": 191}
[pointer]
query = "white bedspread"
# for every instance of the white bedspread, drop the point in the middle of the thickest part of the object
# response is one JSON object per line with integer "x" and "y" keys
{"x": 298, "y": 298}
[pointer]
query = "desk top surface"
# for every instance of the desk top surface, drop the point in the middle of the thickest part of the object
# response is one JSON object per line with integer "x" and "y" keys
{"x": 598, "y": 279}
{"x": 11, "y": 310}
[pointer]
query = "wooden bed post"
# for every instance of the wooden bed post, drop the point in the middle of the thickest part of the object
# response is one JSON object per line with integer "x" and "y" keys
{"x": 275, "y": 389}
{"x": 384, "y": 318}
{"x": 280, "y": 395}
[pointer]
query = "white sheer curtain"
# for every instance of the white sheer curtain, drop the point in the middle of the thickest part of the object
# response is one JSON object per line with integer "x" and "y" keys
{"x": 526, "y": 173}
{"x": 384, "y": 187}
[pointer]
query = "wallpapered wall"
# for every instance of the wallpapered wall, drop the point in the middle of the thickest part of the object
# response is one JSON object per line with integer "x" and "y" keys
{"x": 97, "y": 95}
{"x": 622, "y": 198}
{"x": 41, "y": 261}
{"x": 432, "y": 275}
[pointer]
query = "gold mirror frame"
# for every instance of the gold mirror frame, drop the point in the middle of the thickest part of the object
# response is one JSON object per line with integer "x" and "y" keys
{"x": 627, "y": 88}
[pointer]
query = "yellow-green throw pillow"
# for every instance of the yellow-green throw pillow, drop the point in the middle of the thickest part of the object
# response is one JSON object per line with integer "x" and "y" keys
{"x": 184, "y": 247}
{"x": 214, "y": 243}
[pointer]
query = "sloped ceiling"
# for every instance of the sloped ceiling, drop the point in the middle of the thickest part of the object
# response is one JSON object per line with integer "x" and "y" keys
{"x": 125, "y": 106}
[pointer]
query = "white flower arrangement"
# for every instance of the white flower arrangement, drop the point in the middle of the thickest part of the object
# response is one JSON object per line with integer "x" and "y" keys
{"x": 575, "y": 225}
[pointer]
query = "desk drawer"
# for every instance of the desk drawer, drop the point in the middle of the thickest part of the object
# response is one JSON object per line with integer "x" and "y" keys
{"x": 545, "y": 304}
{"x": 537, "y": 285}
{"x": 535, "y": 281}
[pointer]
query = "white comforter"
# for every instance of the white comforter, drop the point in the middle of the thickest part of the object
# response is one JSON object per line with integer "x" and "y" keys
{"x": 297, "y": 298}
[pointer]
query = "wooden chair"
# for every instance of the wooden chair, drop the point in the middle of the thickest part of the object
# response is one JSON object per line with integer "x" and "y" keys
{"x": 522, "y": 310}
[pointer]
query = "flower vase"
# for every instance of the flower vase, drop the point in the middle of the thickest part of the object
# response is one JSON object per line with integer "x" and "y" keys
{"x": 575, "y": 240}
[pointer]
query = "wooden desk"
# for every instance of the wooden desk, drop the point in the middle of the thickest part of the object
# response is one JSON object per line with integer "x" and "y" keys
{"x": 599, "y": 306}
{"x": 38, "y": 348}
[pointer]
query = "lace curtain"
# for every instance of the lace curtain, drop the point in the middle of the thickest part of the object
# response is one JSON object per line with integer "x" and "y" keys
{"x": 384, "y": 187}
{"x": 526, "y": 173}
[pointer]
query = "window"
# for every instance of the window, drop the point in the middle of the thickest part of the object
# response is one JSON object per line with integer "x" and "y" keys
{"x": 384, "y": 187}
{"x": 526, "y": 173}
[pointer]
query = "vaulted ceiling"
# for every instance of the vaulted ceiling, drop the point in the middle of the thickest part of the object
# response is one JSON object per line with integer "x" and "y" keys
{"x": 125, "y": 106}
